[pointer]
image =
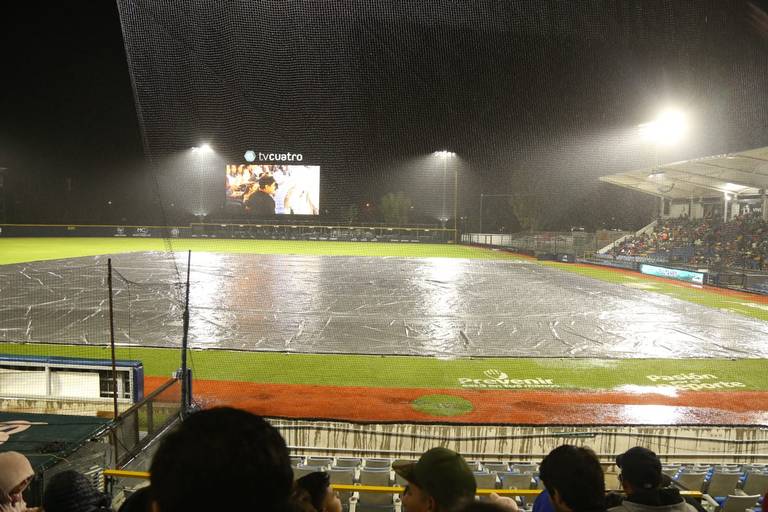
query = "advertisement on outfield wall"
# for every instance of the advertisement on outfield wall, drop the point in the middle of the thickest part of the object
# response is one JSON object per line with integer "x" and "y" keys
{"x": 673, "y": 273}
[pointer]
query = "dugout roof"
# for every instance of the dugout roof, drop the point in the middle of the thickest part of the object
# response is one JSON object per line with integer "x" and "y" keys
{"x": 46, "y": 438}
{"x": 743, "y": 173}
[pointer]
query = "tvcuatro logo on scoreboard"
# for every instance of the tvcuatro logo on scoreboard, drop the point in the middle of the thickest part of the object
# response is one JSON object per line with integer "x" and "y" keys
{"x": 496, "y": 379}
{"x": 251, "y": 156}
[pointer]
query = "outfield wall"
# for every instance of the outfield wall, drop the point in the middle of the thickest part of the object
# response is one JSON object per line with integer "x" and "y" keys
{"x": 579, "y": 243}
{"x": 264, "y": 231}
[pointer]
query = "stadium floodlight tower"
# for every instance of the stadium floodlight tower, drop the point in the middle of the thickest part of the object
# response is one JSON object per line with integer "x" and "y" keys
{"x": 444, "y": 156}
{"x": 668, "y": 129}
{"x": 203, "y": 148}
{"x": 198, "y": 162}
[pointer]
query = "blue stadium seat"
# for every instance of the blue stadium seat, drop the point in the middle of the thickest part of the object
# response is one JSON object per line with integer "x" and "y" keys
{"x": 756, "y": 483}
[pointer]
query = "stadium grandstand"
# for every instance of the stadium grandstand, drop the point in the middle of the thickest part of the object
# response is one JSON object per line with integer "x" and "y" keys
{"x": 386, "y": 227}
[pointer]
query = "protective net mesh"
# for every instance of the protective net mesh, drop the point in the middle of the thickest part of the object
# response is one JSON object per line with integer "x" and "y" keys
{"x": 324, "y": 161}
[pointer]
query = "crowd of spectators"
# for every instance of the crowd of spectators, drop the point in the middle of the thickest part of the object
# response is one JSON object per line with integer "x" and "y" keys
{"x": 229, "y": 459}
{"x": 740, "y": 243}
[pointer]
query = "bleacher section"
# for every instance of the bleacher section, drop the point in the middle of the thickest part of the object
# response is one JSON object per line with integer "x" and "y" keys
{"x": 726, "y": 485}
{"x": 740, "y": 243}
{"x": 721, "y": 487}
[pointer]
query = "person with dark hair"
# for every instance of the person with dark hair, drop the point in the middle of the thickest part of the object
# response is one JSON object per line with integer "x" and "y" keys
{"x": 221, "y": 459}
{"x": 315, "y": 488}
{"x": 140, "y": 500}
{"x": 574, "y": 479}
{"x": 260, "y": 201}
{"x": 642, "y": 479}
{"x": 440, "y": 481}
{"x": 71, "y": 491}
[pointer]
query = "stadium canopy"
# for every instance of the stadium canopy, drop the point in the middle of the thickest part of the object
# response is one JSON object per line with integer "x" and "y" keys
{"x": 736, "y": 174}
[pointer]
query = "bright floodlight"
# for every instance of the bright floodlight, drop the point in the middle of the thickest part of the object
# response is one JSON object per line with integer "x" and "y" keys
{"x": 444, "y": 153}
{"x": 668, "y": 128}
{"x": 203, "y": 148}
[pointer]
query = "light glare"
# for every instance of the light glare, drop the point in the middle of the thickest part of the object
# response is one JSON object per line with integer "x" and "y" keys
{"x": 668, "y": 128}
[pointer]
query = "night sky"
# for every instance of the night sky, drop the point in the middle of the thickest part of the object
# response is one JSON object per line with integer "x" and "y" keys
{"x": 534, "y": 97}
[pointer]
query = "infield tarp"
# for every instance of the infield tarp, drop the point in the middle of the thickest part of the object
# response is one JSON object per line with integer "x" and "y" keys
{"x": 359, "y": 305}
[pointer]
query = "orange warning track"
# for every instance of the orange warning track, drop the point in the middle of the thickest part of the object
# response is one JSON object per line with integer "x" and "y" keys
{"x": 490, "y": 407}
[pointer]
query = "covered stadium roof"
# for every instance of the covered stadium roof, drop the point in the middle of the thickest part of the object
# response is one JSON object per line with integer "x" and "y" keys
{"x": 743, "y": 173}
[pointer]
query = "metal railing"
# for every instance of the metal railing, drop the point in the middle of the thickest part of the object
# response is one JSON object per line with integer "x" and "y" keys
{"x": 140, "y": 424}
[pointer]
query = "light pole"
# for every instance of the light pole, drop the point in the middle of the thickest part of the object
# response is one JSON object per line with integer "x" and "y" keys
{"x": 443, "y": 218}
{"x": 2, "y": 194}
{"x": 667, "y": 129}
{"x": 445, "y": 155}
{"x": 200, "y": 152}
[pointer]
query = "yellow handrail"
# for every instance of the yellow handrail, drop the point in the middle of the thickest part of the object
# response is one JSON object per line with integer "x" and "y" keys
{"x": 119, "y": 473}
{"x": 379, "y": 488}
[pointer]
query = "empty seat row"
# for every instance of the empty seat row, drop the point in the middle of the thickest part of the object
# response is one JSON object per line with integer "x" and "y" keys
{"x": 723, "y": 483}
{"x": 358, "y": 462}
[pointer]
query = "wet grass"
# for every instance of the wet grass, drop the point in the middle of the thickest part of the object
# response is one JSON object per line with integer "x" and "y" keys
{"x": 642, "y": 375}
{"x": 19, "y": 250}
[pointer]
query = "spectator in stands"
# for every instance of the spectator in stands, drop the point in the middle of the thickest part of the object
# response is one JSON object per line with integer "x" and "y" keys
{"x": 439, "y": 481}
{"x": 71, "y": 491}
{"x": 574, "y": 479}
{"x": 506, "y": 503}
{"x": 222, "y": 459}
{"x": 140, "y": 500}
{"x": 542, "y": 503}
{"x": 15, "y": 475}
{"x": 315, "y": 490}
{"x": 484, "y": 506}
{"x": 642, "y": 481}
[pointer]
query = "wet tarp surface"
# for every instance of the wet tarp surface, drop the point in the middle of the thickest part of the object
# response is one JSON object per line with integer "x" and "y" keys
{"x": 364, "y": 305}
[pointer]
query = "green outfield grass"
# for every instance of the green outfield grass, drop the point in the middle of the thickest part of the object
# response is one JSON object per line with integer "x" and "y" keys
{"x": 431, "y": 373}
{"x": 20, "y": 250}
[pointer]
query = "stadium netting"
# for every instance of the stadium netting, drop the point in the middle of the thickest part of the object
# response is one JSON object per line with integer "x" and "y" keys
{"x": 322, "y": 162}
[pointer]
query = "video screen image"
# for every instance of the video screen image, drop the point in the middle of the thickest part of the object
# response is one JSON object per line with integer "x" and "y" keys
{"x": 265, "y": 190}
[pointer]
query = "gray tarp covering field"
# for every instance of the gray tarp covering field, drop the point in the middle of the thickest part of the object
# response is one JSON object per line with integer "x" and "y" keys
{"x": 364, "y": 305}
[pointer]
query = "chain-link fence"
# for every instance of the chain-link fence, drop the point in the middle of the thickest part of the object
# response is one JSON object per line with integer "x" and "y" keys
{"x": 578, "y": 243}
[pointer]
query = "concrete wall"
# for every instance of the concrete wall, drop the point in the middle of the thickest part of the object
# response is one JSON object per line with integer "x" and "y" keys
{"x": 75, "y": 406}
{"x": 708, "y": 444}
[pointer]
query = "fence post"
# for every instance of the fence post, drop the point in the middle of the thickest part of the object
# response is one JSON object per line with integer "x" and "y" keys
{"x": 112, "y": 338}
{"x": 185, "y": 401}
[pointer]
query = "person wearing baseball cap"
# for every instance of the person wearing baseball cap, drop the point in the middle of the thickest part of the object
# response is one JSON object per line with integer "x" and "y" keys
{"x": 645, "y": 485}
{"x": 440, "y": 481}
